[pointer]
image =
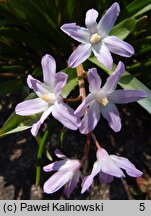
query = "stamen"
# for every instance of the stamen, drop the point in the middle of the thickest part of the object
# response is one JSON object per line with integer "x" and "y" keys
{"x": 104, "y": 101}
{"x": 49, "y": 98}
{"x": 95, "y": 38}
{"x": 45, "y": 98}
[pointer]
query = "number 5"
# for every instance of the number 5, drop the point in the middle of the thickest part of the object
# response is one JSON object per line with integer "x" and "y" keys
{"x": 142, "y": 206}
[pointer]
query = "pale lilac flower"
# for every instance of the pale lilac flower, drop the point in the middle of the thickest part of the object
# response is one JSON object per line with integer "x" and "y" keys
{"x": 68, "y": 173}
{"x": 49, "y": 98}
{"x": 95, "y": 38}
{"x": 103, "y": 100}
{"x": 108, "y": 166}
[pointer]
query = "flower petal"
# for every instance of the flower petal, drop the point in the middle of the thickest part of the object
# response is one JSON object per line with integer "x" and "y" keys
{"x": 46, "y": 114}
{"x": 90, "y": 20}
{"x": 72, "y": 184}
{"x": 38, "y": 87}
{"x": 54, "y": 166}
{"x": 79, "y": 55}
{"x": 49, "y": 70}
{"x": 89, "y": 179}
{"x": 35, "y": 128}
{"x": 76, "y": 32}
{"x": 118, "y": 46}
{"x": 65, "y": 164}
{"x": 32, "y": 83}
{"x": 96, "y": 168}
{"x": 60, "y": 81}
{"x": 65, "y": 114}
{"x": 81, "y": 108}
{"x": 107, "y": 165}
{"x": 31, "y": 107}
{"x": 111, "y": 113}
{"x": 105, "y": 177}
{"x": 91, "y": 118}
{"x": 56, "y": 181}
{"x": 94, "y": 80}
{"x": 103, "y": 55}
{"x": 125, "y": 164}
{"x": 112, "y": 80}
{"x": 126, "y": 96}
{"x": 108, "y": 20}
{"x": 59, "y": 154}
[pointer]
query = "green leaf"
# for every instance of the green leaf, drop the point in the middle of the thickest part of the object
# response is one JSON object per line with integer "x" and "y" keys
{"x": 39, "y": 156}
{"x": 11, "y": 68}
{"x": 16, "y": 123}
{"x": 72, "y": 81}
{"x": 11, "y": 86}
{"x": 138, "y": 7}
{"x": 20, "y": 36}
{"x": 62, "y": 134}
{"x": 142, "y": 11}
{"x": 124, "y": 28}
{"x": 48, "y": 155}
{"x": 70, "y": 7}
{"x": 127, "y": 81}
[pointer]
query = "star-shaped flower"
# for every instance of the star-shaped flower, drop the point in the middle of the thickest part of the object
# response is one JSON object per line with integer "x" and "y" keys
{"x": 103, "y": 100}
{"x": 108, "y": 166}
{"x": 68, "y": 173}
{"x": 96, "y": 38}
{"x": 49, "y": 98}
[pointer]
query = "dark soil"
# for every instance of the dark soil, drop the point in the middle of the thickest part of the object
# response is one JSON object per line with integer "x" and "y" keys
{"x": 18, "y": 157}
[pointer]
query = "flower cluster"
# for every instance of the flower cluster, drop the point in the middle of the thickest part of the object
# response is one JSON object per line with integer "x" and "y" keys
{"x": 49, "y": 98}
{"x": 102, "y": 100}
{"x": 69, "y": 171}
{"x": 99, "y": 101}
{"x": 95, "y": 38}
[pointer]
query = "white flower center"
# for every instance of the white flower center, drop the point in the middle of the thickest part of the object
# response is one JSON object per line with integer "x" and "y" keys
{"x": 103, "y": 101}
{"x": 49, "y": 98}
{"x": 95, "y": 38}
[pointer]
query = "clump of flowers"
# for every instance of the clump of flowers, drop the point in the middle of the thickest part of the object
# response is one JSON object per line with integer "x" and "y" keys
{"x": 68, "y": 173}
{"x": 96, "y": 38}
{"x": 98, "y": 101}
{"x": 103, "y": 100}
{"x": 108, "y": 166}
{"x": 49, "y": 98}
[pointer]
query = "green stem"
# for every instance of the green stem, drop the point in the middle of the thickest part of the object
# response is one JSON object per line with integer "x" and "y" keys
{"x": 39, "y": 154}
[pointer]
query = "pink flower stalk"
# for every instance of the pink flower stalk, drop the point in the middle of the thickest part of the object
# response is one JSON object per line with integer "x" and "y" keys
{"x": 95, "y": 38}
{"x": 108, "y": 166}
{"x": 49, "y": 99}
{"x": 68, "y": 173}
